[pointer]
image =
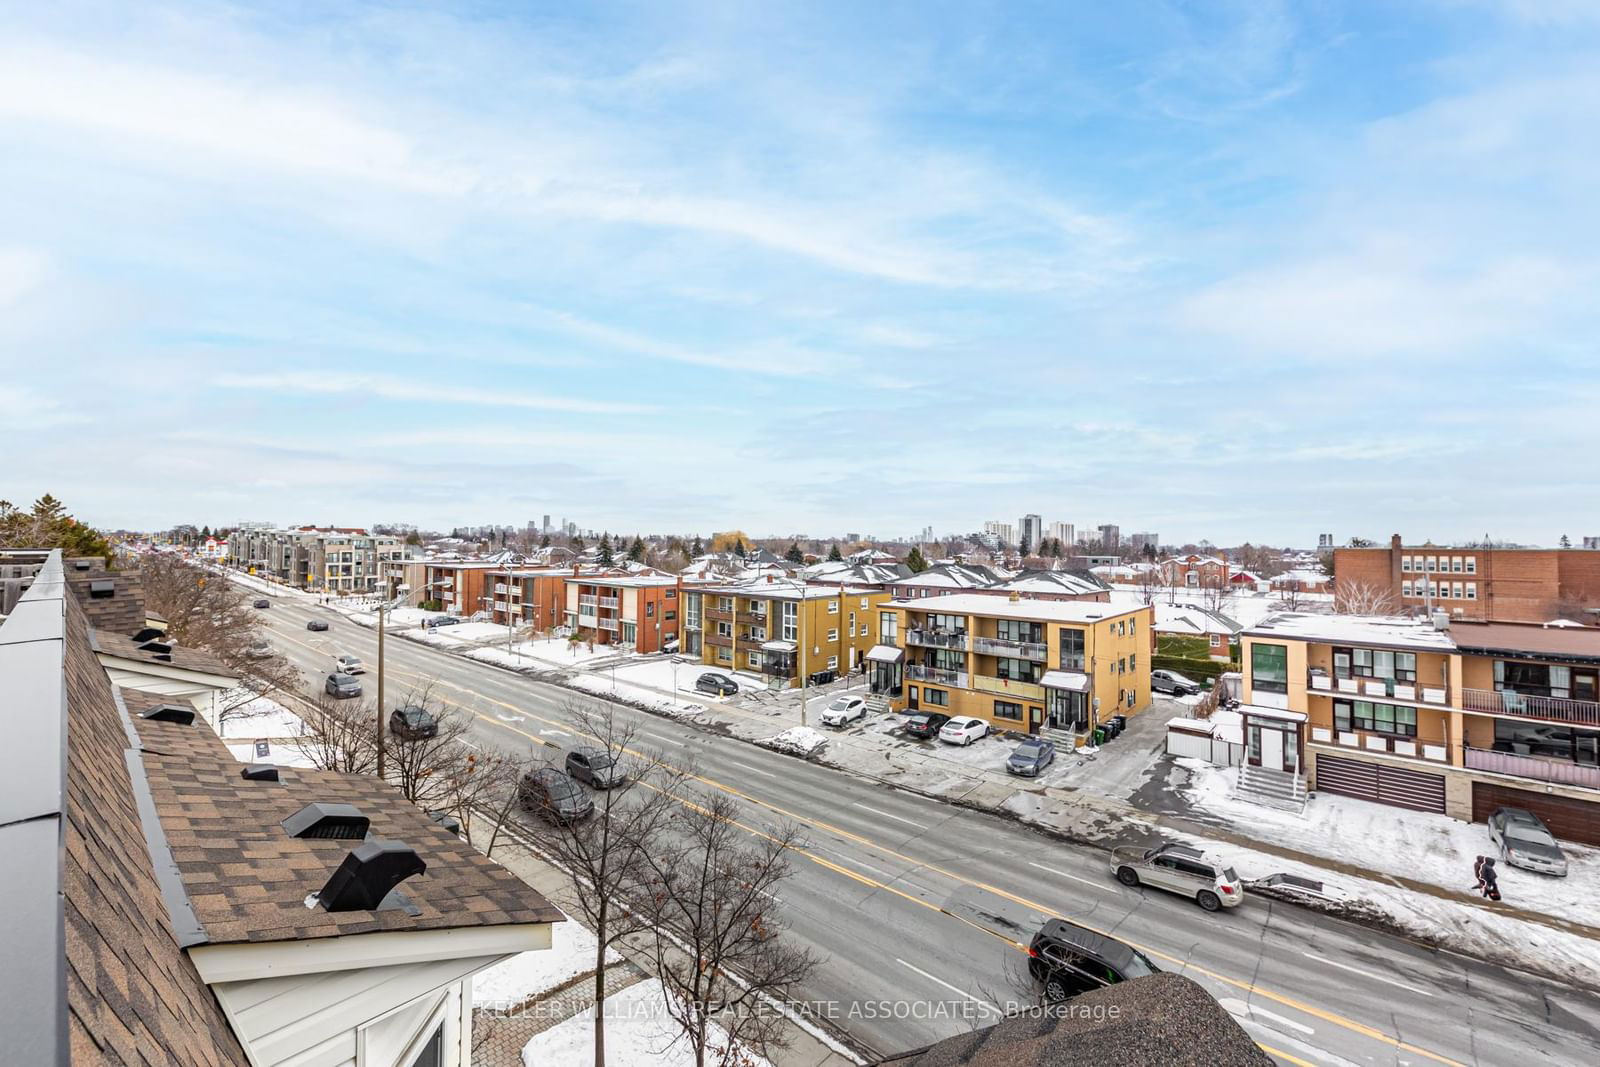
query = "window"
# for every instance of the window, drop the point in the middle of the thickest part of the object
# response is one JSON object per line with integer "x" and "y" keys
{"x": 1382, "y": 718}
{"x": 863, "y": 603}
{"x": 1269, "y": 668}
{"x": 945, "y": 659}
{"x": 1472, "y": 564}
{"x": 668, "y": 616}
{"x": 1006, "y": 709}
{"x": 1405, "y": 564}
{"x": 1472, "y": 590}
{"x": 833, "y": 607}
{"x": 1019, "y": 630}
{"x": 833, "y": 663}
{"x": 725, "y": 603}
{"x": 852, "y": 622}
{"x": 672, "y": 594}
{"x": 833, "y": 635}
{"x": 954, "y": 623}
{"x": 1016, "y": 670}
{"x": 1133, "y": 626}
{"x": 936, "y": 697}
{"x": 1405, "y": 588}
{"x": 1133, "y": 662}
{"x": 755, "y": 661}
{"x": 649, "y": 609}
{"x": 1216, "y": 640}
{"x": 1455, "y": 564}
{"x": 888, "y": 627}
{"x": 787, "y": 628}
{"x": 724, "y": 629}
{"x": 1459, "y": 591}
{"x": 1071, "y": 649}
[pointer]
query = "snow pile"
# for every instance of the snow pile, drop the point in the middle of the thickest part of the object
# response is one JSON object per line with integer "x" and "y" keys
{"x": 638, "y": 1030}
{"x": 528, "y": 974}
{"x": 279, "y": 754}
{"x": 799, "y": 740}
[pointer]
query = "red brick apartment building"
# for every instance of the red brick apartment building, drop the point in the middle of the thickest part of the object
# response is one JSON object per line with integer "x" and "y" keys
{"x": 1472, "y": 582}
{"x": 528, "y": 596}
{"x": 638, "y": 609}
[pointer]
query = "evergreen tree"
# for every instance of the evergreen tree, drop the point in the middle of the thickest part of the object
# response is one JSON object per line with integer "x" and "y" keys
{"x": 697, "y": 549}
{"x": 577, "y": 544}
{"x": 1027, "y": 546}
{"x": 1149, "y": 552}
{"x": 205, "y": 531}
{"x": 544, "y": 542}
{"x": 1566, "y": 542}
{"x": 636, "y": 550}
{"x": 915, "y": 561}
{"x": 48, "y": 525}
{"x": 794, "y": 555}
{"x": 413, "y": 538}
{"x": 605, "y": 549}
{"x": 739, "y": 548}
{"x": 833, "y": 554}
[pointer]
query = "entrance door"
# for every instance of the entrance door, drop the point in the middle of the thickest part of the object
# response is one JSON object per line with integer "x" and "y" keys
{"x": 911, "y": 698}
{"x": 1272, "y": 749}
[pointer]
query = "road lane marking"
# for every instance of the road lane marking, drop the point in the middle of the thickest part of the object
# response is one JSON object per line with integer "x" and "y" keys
{"x": 1063, "y": 874}
{"x": 1284, "y": 1056}
{"x": 752, "y": 770}
{"x": 888, "y": 815}
{"x": 1364, "y": 972}
{"x": 1248, "y": 1011}
{"x": 957, "y": 990}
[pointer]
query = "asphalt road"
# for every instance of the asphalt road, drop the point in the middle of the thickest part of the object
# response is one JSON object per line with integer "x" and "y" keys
{"x": 918, "y": 907}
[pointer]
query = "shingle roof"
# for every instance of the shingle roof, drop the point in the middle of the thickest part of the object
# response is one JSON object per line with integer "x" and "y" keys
{"x": 122, "y": 611}
{"x": 188, "y": 659}
{"x": 248, "y": 880}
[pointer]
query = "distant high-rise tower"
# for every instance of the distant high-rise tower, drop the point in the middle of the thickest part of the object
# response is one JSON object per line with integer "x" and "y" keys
{"x": 545, "y": 526}
{"x": 1111, "y": 536}
{"x": 1030, "y": 531}
{"x": 1006, "y": 532}
{"x": 1138, "y": 541}
{"x": 1324, "y": 540}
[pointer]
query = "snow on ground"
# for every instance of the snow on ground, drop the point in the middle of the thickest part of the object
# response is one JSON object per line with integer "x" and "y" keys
{"x": 279, "y": 754}
{"x": 258, "y": 716}
{"x": 1247, "y": 609}
{"x": 528, "y": 974}
{"x": 600, "y": 682}
{"x": 801, "y": 740}
{"x": 658, "y": 672}
{"x": 638, "y": 1030}
{"x": 560, "y": 652}
{"x": 259, "y": 585}
{"x": 1430, "y": 848}
{"x": 463, "y": 633}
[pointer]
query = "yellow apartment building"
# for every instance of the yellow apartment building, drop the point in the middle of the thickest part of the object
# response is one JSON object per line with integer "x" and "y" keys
{"x": 781, "y": 628}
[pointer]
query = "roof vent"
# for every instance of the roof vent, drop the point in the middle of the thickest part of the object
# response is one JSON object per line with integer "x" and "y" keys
{"x": 170, "y": 713}
{"x": 149, "y": 633}
{"x": 157, "y": 647}
{"x": 368, "y": 874}
{"x": 81, "y": 564}
{"x": 260, "y": 772}
{"x": 340, "y": 822}
{"x": 102, "y": 589}
{"x": 446, "y": 820}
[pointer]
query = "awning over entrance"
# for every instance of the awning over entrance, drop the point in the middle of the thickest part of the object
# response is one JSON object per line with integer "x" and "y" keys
{"x": 885, "y": 654}
{"x": 1071, "y": 681}
{"x": 777, "y": 646}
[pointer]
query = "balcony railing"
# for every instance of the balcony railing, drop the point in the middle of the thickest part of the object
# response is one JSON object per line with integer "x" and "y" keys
{"x": 610, "y": 603}
{"x": 1000, "y": 646}
{"x": 916, "y": 672}
{"x": 1538, "y": 768}
{"x": 753, "y": 618}
{"x": 610, "y": 624}
{"x": 1005, "y": 687}
{"x": 719, "y": 640}
{"x": 717, "y": 615}
{"x": 588, "y": 600}
{"x": 1531, "y": 706}
{"x": 500, "y": 587}
{"x": 1380, "y": 689}
{"x": 936, "y": 638}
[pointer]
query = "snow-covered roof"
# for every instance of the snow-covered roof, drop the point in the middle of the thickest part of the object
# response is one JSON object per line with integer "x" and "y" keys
{"x": 1392, "y": 630}
{"x": 1309, "y": 577}
{"x": 761, "y": 588}
{"x": 1181, "y": 619}
{"x": 1001, "y": 607}
{"x": 1076, "y": 583}
{"x": 863, "y": 573}
{"x": 955, "y": 576}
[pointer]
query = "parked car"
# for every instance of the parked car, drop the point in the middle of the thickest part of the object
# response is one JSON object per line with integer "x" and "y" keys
{"x": 1182, "y": 870}
{"x": 844, "y": 710}
{"x": 1164, "y": 681}
{"x": 962, "y": 731}
{"x": 445, "y": 620}
{"x": 317, "y": 625}
{"x": 716, "y": 684}
{"x": 258, "y": 650}
{"x": 595, "y": 767}
{"x": 350, "y": 664}
{"x": 554, "y": 796}
{"x": 413, "y": 722}
{"x": 925, "y": 726}
{"x": 263, "y": 604}
{"x": 1524, "y": 841}
{"x": 1068, "y": 959}
{"x": 341, "y": 686}
{"x": 670, "y": 645}
{"x": 1031, "y": 757}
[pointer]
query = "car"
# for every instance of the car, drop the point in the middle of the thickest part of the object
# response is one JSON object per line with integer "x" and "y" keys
{"x": 258, "y": 650}
{"x": 1068, "y": 959}
{"x": 963, "y": 731}
{"x": 1524, "y": 841}
{"x": 553, "y": 796}
{"x": 1165, "y": 681}
{"x": 1031, "y": 757}
{"x": 263, "y": 604}
{"x": 413, "y": 722}
{"x": 595, "y": 767}
{"x": 349, "y": 664}
{"x": 445, "y": 620}
{"x": 1179, "y": 869}
{"x": 716, "y": 684}
{"x": 341, "y": 686}
{"x": 670, "y": 645}
{"x": 925, "y": 726}
{"x": 843, "y": 710}
{"x": 317, "y": 624}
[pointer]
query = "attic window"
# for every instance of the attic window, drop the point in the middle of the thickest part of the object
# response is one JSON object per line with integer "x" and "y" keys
{"x": 100, "y": 590}
{"x": 336, "y": 822}
{"x": 170, "y": 713}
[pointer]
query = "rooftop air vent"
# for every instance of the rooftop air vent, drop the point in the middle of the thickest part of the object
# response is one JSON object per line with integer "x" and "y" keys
{"x": 341, "y": 822}
{"x": 157, "y": 647}
{"x": 260, "y": 772}
{"x": 368, "y": 874}
{"x": 81, "y": 564}
{"x": 446, "y": 820}
{"x": 170, "y": 713}
{"x": 102, "y": 589}
{"x": 149, "y": 633}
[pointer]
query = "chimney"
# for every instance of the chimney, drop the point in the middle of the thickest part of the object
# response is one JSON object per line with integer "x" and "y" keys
{"x": 367, "y": 875}
{"x": 769, "y": 579}
{"x": 1394, "y": 542}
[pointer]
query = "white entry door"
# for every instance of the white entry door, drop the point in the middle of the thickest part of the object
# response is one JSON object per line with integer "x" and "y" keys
{"x": 1272, "y": 749}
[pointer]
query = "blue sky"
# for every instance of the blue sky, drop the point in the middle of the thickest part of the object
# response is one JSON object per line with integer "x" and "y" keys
{"x": 1222, "y": 271}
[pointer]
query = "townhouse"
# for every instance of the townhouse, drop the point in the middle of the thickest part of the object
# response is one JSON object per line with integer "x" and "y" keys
{"x": 322, "y": 559}
{"x": 638, "y": 609}
{"x": 1195, "y": 572}
{"x": 781, "y": 628}
{"x": 1059, "y": 667}
{"x": 1430, "y": 714}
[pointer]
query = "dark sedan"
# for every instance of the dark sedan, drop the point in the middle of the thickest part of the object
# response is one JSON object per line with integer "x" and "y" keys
{"x": 554, "y": 796}
{"x": 596, "y": 767}
{"x": 412, "y": 722}
{"x": 925, "y": 726}
{"x": 342, "y": 686}
{"x": 1031, "y": 757}
{"x": 316, "y": 624}
{"x": 263, "y": 603}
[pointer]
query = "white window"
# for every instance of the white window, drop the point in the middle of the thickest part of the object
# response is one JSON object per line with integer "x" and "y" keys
{"x": 833, "y": 635}
{"x": 1472, "y": 564}
{"x": 1472, "y": 590}
{"x": 1405, "y": 564}
{"x": 1455, "y": 564}
{"x": 833, "y": 607}
{"x": 888, "y": 627}
{"x": 1405, "y": 588}
{"x": 833, "y": 663}
{"x": 1459, "y": 591}
{"x": 1133, "y": 626}
{"x": 1433, "y": 564}
{"x": 863, "y": 603}
{"x": 755, "y": 660}
{"x": 789, "y": 615}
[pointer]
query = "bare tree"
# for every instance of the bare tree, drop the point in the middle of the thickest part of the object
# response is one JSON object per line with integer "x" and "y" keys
{"x": 1289, "y": 592}
{"x": 606, "y": 853}
{"x": 717, "y": 928}
{"x": 425, "y": 767}
{"x": 1354, "y": 597}
{"x": 1149, "y": 582}
{"x": 340, "y": 735}
{"x": 1214, "y": 593}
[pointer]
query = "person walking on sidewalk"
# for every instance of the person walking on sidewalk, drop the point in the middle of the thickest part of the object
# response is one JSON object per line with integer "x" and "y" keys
{"x": 1488, "y": 884}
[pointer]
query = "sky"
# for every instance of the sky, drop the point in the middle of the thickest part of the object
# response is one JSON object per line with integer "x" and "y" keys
{"x": 1225, "y": 271}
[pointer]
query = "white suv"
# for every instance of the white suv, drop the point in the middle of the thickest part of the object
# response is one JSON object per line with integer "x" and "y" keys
{"x": 844, "y": 710}
{"x": 1182, "y": 870}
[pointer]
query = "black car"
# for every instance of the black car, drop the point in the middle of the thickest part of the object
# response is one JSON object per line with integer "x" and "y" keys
{"x": 445, "y": 620}
{"x": 554, "y": 796}
{"x": 596, "y": 767}
{"x": 1068, "y": 959}
{"x": 926, "y": 725}
{"x": 316, "y": 624}
{"x": 263, "y": 603}
{"x": 716, "y": 684}
{"x": 1031, "y": 757}
{"x": 413, "y": 722}
{"x": 341, "y": 686}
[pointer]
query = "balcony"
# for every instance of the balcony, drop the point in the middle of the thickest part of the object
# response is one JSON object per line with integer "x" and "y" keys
{"x": 916, "y": 672}
{"x": 1538, "y": 768}
{"x": 588, "y": 600}
{"x": 753, "y": 618}
{"x": 1531, "y": 706}
{"x": 717, "y": 615}
{"x": 500, "y": 587}
{"x": 936, "y": 638}
{"x": 610, "y": 624}
{"x": 999, "y": 646}
{"x": 1427, "y": 696}
{"x": 1007, "y": 688}
{"x": 719, "y": 640}
{"x": 610, "y": 603}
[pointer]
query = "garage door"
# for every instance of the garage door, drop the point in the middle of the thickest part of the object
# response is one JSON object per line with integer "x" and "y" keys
{"x": 1571, "y": 820}
{"x": 1380, "y": 782}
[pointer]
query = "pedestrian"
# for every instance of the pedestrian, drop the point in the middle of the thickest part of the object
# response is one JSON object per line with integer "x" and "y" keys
{"x": 1488, "y": 884}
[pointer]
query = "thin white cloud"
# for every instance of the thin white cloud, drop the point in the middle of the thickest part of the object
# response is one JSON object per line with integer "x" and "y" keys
{"x": 428, "y": 391}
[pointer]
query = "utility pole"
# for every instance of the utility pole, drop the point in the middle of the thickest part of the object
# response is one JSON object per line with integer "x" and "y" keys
{"x": 381, "y": 606}
{"x": 804, "y": 648}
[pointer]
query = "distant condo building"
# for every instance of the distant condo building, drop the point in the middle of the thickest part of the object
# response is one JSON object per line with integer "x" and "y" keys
{"x": 1030, "y": 531}
{"x": 1064, "y": 532}
{"x": 326, "y": 559}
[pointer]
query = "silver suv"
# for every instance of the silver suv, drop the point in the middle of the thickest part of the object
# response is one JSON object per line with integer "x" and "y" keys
{"x": 1182, "y": 870}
